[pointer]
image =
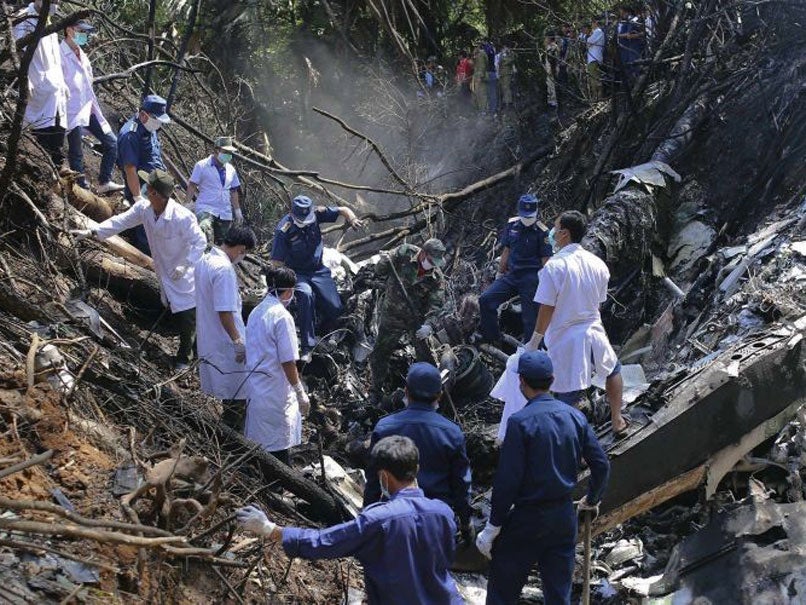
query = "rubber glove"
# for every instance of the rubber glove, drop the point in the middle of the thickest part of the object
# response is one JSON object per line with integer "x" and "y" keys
{"x": 240, "y": 350}
{"x": 254, "y": 520}
{"x": 238, "y": 216}
{"x": 80, "y": 234}
{"x": 534, "y": 342}
{"x": 484, "y": 541}
{"x": 424, "y": 332}
{"x": 584, "y": 505}
{"x": 302, "y": 399}
{"x": 179, "y": 272}
{"x": 140, "y": 198}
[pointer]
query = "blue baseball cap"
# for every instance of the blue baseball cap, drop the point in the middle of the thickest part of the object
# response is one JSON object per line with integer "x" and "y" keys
{"x": 424, "y": 381}
{"x": 535, "y": 365}
{"x": 155, "y": 105}
{"x": 527, "y": 206}
{"x": 302, "y": 210}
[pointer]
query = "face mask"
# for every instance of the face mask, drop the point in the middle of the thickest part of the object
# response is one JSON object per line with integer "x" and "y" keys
{"x": 427, "y": 264}
{"x": 81, "y": 38}
{"x": 528, "y": 220}
{"x": 552, "y": 241}
{"x": 152, "y": 124}
{"x": 239, "y": 258}
{"x": 384, "y": 487}
{"x": 225, "y": 158}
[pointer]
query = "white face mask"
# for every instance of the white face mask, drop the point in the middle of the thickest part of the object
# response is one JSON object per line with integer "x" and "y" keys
{"x": 528, "y": 220}
{"x": 152, "y": 124}
{"x": 239, "y": 258}
{"x": 426, "y": 264}
{"x": 299, "y": 224}
{"x": 384, "y": 487}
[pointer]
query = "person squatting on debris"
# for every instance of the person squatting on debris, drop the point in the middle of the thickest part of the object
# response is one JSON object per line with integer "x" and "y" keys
{"x": 84, "y": 111}
{"x": 215, "y": 186}
{"x": 405, "y": 544}
{"x": 532, "y": 516}
{"x": 414, "y": 294}
{"x": 277, "y": 397}
{"x": 176, "y": 244}
{"x": 525, "y": 250}
{"x": 573, "y": 284}
{"x": 444, "y": 471}
{"x": 595, "y": 43}
{"x": 220, "y": 331}
{"x": 46, "y": 110}
{"x": 298, "y": 245}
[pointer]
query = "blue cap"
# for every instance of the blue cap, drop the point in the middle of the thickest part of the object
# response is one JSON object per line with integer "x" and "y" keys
{"x": 424, "y": 381}
{"x": 155, "y": 105}
{"x": 527, "y": 205}
{"x": 302, "y": 210}
{"x": 535, "y": 365}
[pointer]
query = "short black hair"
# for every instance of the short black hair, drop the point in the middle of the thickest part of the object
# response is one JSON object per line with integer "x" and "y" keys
{"x": 279, "y": 277}
{"x": 241, "y": 235}
{"x": 576, "y": 223}
{"x": 543, "y": 384}
{"x": 398, "y": 455}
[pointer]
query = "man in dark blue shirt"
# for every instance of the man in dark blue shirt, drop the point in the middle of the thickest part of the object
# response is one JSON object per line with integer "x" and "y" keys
{"x": 531, "y": 507}
{"x": 526, "y": 249}
{"x": 298, "y": 245}
{"x": 444, "y": 467}
{"x": 405, "y": 545}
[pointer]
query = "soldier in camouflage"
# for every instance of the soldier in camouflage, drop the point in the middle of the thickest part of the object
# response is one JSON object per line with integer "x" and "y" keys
{"x": 419, "y": 273}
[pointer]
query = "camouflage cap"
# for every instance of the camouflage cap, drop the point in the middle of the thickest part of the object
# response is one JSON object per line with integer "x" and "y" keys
{"x": 435, "y": 249}
{"x": 159, "y": 180}
{"x": 225, "y": 143}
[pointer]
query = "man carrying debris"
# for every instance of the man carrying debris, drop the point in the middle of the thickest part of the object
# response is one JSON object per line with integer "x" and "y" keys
{"x": 405, "y": 544}
{"x": 525, "y": 250}
{"x": 46, "y": 110}
{"x": 277, "y": 397}
{"x": 572, "y": 286}
{"x": 215, "y": 186}
{"x": 220, "y": 331}
{"x": 415, "y": 292}
{"x": 298, "y": 245}
{"x": 445, "y": 469}
{"x": 176, "y": 243}
{"x": 531, "y": 506}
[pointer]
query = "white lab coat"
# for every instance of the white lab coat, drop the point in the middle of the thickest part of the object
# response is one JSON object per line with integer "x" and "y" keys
{"x": 508, "y": 390}
{"x": 175, "y": 239}
{"x": 48, "y": 92}
{"x": 217, "y": 290}
{"x": 82, "y": 102}
{"x": 214, "y": 196}
{"x": 574, "y": 282}
{"x": 273, "y": 418}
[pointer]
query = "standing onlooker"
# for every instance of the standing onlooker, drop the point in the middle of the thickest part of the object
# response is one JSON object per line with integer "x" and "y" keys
{"x": 629, "y": 39}
{"x": 464, "y": 73}
{"x": 492, "y": 77}
{"x": 595, "y": 42}
{"x": 46, "y": 111}
{"x": 215, "y": 185}
{"x": 506, "y": 71}
{"x": 649, "y": 32}
{"x": 565, "y": 48}
{"x": 277, "y": 397}
{"x": 551, "y": 65}
{"x": 84, "y": 111}
{"x": 220, "y": 331}
{"x": 479, "y": 83}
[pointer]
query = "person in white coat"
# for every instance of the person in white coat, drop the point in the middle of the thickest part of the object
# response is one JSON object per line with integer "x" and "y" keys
{"x": 176, "y": 244}
{"x": 573, "y": 284}
{"x": 220, "y": 330}
{"x": 46, "y": 111}
{"x": 277, "y": 397}
{"x": 215, "y": 185}
{"x": 84, "y": 111}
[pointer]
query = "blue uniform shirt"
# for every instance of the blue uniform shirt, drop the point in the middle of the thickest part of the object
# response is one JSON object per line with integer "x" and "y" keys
{"x": 300, "y": 248}
{"x": 539, "y": 461}
{"x": 444, "y": 466}
{"x": 406, "y": 547}
{"x": 527, "y": 245}
{"x": 139, "y": 147}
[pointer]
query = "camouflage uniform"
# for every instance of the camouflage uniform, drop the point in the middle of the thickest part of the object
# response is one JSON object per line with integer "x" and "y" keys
{"x": 427, "y": 293}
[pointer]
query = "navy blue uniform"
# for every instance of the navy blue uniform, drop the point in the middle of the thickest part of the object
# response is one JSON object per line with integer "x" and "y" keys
{"x": 527, "y": 247}
{"x": 444, "y": 467}
{"x": 537, "y": 472}
{"x": 300, "y": 248}
{"x": 405, "y": 545}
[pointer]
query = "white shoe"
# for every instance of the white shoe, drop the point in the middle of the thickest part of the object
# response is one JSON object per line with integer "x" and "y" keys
{"x": 110, "y": 187}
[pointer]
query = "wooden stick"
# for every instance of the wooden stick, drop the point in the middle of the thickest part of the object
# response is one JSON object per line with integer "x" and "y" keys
{"x": 74, "y": 531}
{"x": 38, "y": 459}
{"x": 30, "y": 360}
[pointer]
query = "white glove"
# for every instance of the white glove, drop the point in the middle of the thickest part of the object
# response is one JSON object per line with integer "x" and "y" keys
{"x": 302, "y": 399}
{"x": 140, "y": 198}
{"x": 584, "y": 505}
{"x": 254, "y": 520}
{"x": 484, "y": 541}
{"x": 179, "y": 272}
{"x": 499, "y": 275}
{"x": 238, "y": 216}
{"x": 424, "y": 332}
{"x": 240, "y": 351}
{"x": 80, "y": 234}
{"x": 534, "y": 342}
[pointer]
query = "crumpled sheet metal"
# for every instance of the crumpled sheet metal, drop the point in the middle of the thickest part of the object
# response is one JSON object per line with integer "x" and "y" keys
{"x": 651, "y": 173}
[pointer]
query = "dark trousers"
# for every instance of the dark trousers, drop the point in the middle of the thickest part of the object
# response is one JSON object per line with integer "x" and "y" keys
{"x": 52, "y": 140}
{"x": 185, "y": 323}
{"x": 523, "y": 283}
{"x": 109, "y": 148}
{"x": 318, "y": 300}
{"x": 535, "y": 534}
